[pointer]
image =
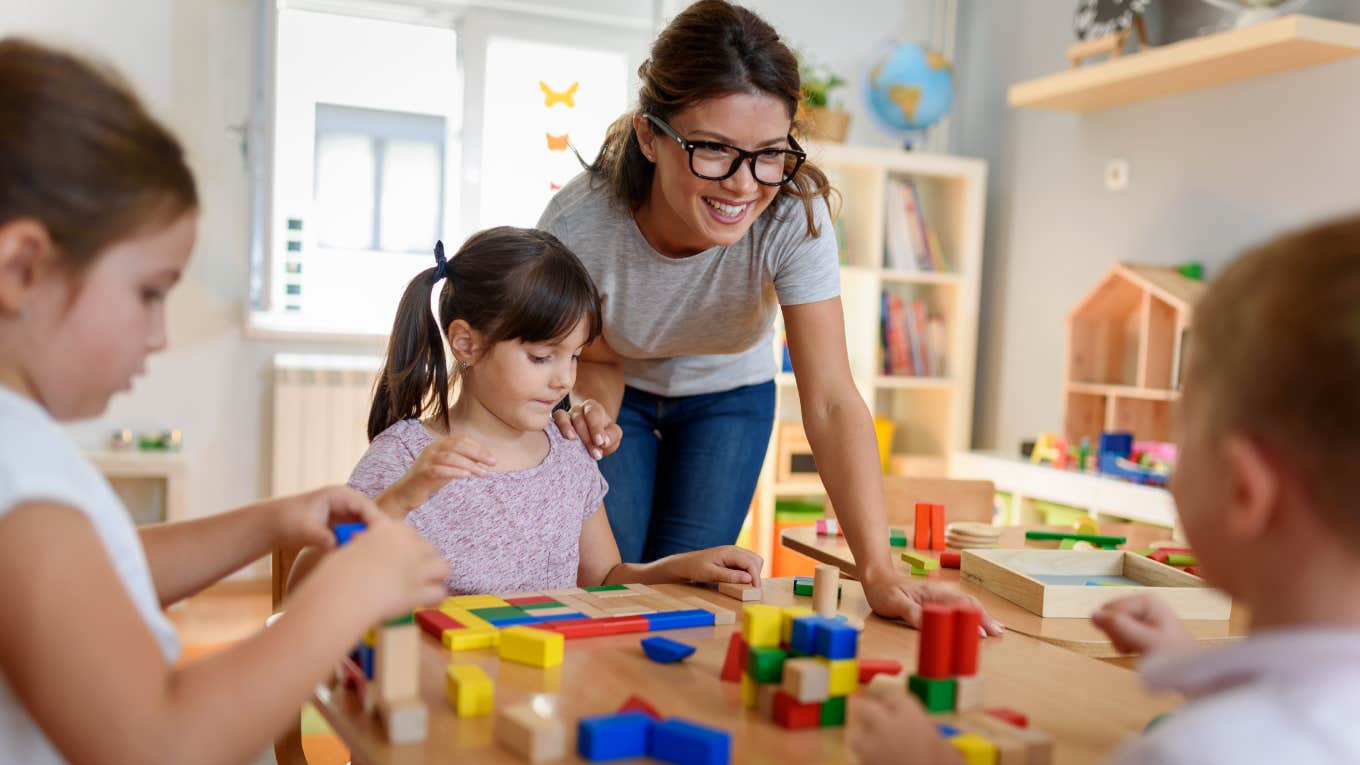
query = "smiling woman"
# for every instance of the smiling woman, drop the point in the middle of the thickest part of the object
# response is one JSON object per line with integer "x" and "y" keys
{"x": 699, "y": 218}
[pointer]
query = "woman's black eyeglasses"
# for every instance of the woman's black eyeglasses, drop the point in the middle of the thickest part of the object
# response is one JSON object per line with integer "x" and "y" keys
{"x": 715, "y": 161}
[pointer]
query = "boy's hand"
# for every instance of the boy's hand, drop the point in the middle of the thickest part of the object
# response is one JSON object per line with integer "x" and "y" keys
{"x": 890, "y": 595}
{"x": 881, "y": 726}
{"x": 388, "y": 568}
{"x": 307, "y": 520}
{"x": 447, "y": 459}
{"x": 729, "y": 563}
{"x": 1143, "y": 624}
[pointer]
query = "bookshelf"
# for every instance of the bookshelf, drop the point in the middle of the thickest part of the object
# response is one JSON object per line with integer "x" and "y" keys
{"x": 932, "y": 414}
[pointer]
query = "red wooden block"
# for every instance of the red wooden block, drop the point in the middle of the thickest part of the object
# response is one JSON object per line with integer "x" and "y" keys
{"x": 1018, "y": 719}
{"x": 922, "y": 527}
{"x": 937, "y": 527}
{"x": 951, "y": 559}
{"x": 636, "y": 703}
{"x": 735, "y": 664}
{"x": 613, "y": 625}
{"x": 936, "y": 658}
{"x": 354, "y": 676}
{"x": 433, "y": 622}
{"x": 870, "y": 667}
{"x": 967, "y": 621}
{"x": 529, "y": 600}
{"x": 790, "y": 714}
{"x": 1192, "y": 570}
{"x": 1160, "y": 556}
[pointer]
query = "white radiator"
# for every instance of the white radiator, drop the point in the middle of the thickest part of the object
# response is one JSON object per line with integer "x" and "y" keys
{"x": 320, "y": 418}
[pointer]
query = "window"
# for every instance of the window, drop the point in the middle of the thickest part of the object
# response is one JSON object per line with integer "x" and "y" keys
{"x": 394, "y": 123}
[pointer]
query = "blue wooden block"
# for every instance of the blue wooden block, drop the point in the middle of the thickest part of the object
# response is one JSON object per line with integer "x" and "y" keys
{"x": 664, "y": 650}
{"x": 675, "y": 620}
{"x": 948, "y": 731}
{"x": 803, "y": 638}
{"x": 364, "y": 659}
{"x": 685, "y": 743}
{"x": 513, "y": 620}
{"x": 836, "y": 640}
{"x": 613, "y": 737}
{"x": 558, "y": 617}
{"x": 345, "y": 531}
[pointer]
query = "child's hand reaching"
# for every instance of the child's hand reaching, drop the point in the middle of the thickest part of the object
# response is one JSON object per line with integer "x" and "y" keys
{"x": 307, "y": 520}
{"x": 387, "y": 570}
{"x": 447, "y": 459}
{"x": 1143, "y": 624}
{"x": 729, "y": 563}
{"x": 882, "y": 727}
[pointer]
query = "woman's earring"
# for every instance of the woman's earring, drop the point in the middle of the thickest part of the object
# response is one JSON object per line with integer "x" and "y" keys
{"x": 463, "y": 365}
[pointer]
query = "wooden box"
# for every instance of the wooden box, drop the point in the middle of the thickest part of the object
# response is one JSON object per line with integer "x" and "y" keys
{"x": 1053, "y": 583}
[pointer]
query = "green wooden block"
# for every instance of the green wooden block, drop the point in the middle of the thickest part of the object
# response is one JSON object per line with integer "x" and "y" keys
{"x": 833, "y": 712}
{"x": 549, "y": 604}
{"x": 799, "y": 588}
{"x": 1094, "y": 539}
{"x": 1180, "y": 559}
{"x": 605, "y": 588}
{"x": 920, "y": 561}
{"x": 398, "y": 620}
{"x": 766, "y": 665}
{"x": 935, "y": 695}
{"x": 897, "y": 537}
{"x": 498, "y": 612}
{"x": 920, "y": 571}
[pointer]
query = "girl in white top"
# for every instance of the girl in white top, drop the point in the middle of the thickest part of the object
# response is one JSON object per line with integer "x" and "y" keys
{"x": 97, "y": 220}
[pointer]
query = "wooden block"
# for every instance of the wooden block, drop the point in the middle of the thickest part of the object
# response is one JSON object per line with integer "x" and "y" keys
{"x": 791, "y": 714}
{"x": 630, "y": 610}
{"x": 825, "y": 588}
{"x": 786, "y": 617}
{"x": 534, "y": 736}
{"x": 937, "y": 695}
{"x": 807, "y": 680}
{"x": 951, "y": 559}
{"x": 921, "y": 531}
{"x": 470, "y": 690}
{"x": 750, "y": 695}
{"x": 404, "y": 721}
{"x": 1038, "y": 745}
{"x": 396, "y": 662}
{"x": 734, "y": 666}
{"x": 765, "y": 700}
{"x": 869, "y": 668}
{"x": 968, "y": 692}
{"x": 843, "y": 675}
{"x": 721, "y": 615}
{"x": 636, "y": 703}
{"x": 642, "y": 589}
{"x": 918, "y": 560}
{"x": 760, "y": 626}
{"x": 614, "y": 594}
{"x": 937, "y": 539}
{"x": 471, "y": 638}
{"x": 936, "y": 645}
{"x": 469, "y": 602}
{"x": 885, "y": 684}
{"x": 967, "y": 634}
{"x": 1009, "y": 716}
{"x": 975, "y": 749}
{"x": 532, "y": 646}
{"x": 743, "y": 592}
{"x": 582, "y": 605}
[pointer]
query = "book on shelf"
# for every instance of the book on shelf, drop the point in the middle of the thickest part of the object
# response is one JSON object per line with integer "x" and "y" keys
{"x": 912, "y": 341}
{"x": 910, "y": 244}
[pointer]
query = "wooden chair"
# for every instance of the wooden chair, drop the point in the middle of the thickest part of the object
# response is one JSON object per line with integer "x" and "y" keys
{"x": 288, "y": 747}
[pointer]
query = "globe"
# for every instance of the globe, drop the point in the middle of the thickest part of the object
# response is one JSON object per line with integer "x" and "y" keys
{"x": 909, "y": 88}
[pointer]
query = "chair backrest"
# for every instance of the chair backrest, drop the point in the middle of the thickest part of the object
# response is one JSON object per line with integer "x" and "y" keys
{"x": 963, "y": 500}
{"x": 280, "y": 564}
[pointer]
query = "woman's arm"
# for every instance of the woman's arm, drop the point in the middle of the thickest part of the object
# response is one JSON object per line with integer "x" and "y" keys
{"x": 601, "y": 564}
{"x": 841, "y": 433}
{"x": 597, "y": 396}
{"x": 83, "y": 659}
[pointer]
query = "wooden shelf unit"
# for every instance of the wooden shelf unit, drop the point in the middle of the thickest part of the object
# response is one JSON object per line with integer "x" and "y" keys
{"x": 1125, "y": 348}
{"x": 933, "y": 416}
{"x": 1290, "y": 42}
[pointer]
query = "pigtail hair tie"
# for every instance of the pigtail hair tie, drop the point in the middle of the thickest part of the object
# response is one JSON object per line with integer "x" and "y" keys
{"x": 441, "y": 268}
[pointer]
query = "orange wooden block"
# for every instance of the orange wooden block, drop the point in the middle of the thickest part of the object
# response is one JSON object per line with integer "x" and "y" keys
{"x": 937, "y": 527}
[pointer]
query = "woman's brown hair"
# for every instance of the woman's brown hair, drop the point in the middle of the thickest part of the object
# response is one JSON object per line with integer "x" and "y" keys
{"x": 712, "y": 49}
{"x": 508, "y": 284}
{"x": 1275, "y": 355}
{"x": 81, "y": 155}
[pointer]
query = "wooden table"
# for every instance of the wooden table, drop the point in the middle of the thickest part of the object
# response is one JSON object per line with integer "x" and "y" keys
{"x": 1090, "y": 707}
{"x": 1078, "y": 635}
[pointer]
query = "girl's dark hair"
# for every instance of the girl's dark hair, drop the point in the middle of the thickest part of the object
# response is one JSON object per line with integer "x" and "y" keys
{"x": 81, "y": 155}
{"x": 508, "y": 284}
{"x": 712, "y": 49}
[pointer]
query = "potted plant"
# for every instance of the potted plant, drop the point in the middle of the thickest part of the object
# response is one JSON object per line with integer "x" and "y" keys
{"x": 824, "y": 122}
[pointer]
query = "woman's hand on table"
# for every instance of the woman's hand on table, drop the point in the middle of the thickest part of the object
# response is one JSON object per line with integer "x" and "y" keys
{"x": 591, "y": 424}
{"x": 892, "y": 595}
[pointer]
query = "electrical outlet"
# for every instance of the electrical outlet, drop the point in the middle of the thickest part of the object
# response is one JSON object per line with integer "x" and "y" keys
{"x": 1117, "y": 175}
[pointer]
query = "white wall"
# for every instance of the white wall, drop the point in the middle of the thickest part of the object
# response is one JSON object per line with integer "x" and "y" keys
{"x": 1212, "y": 171}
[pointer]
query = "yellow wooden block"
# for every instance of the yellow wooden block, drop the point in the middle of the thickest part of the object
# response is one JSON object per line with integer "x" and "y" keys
{"x": 750, "y": 691}
{"x": 371, "y": 637}
{"x": 760, "y": 626}
{"x": 473, "y": 601}
{"x": 975, "y": 749}
{"x": 471, "y": 638}
{"x": 470, "y": 690}
{"x": 467, "y": 618}
{"x": 787, "y": 615}
{"x": 844, "y": 675}
{"x": 535, "y": 647}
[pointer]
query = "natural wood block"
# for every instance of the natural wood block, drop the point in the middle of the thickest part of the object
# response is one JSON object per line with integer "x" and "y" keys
{"x": 968, "y": 692}
{"x": 743, "y": 592}
{"x": 807, "y": 680}
{"x": 533, "y": 736}
{"x": 396, "y": 662}
{"x": 1038, "y": 745}
{"x": 404, "y": 721}
{"x": 721, "y": 616}
{"x": 765, "y": 700}
{"x": 824, "y": 590}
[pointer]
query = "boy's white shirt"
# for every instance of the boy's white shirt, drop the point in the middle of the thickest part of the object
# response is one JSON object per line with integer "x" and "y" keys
{"x": 1290, "y": 695}
{"x": 40, "y": 462}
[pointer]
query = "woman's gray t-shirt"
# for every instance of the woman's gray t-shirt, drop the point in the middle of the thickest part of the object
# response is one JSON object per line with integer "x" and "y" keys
{"x": 703, "y": 323}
